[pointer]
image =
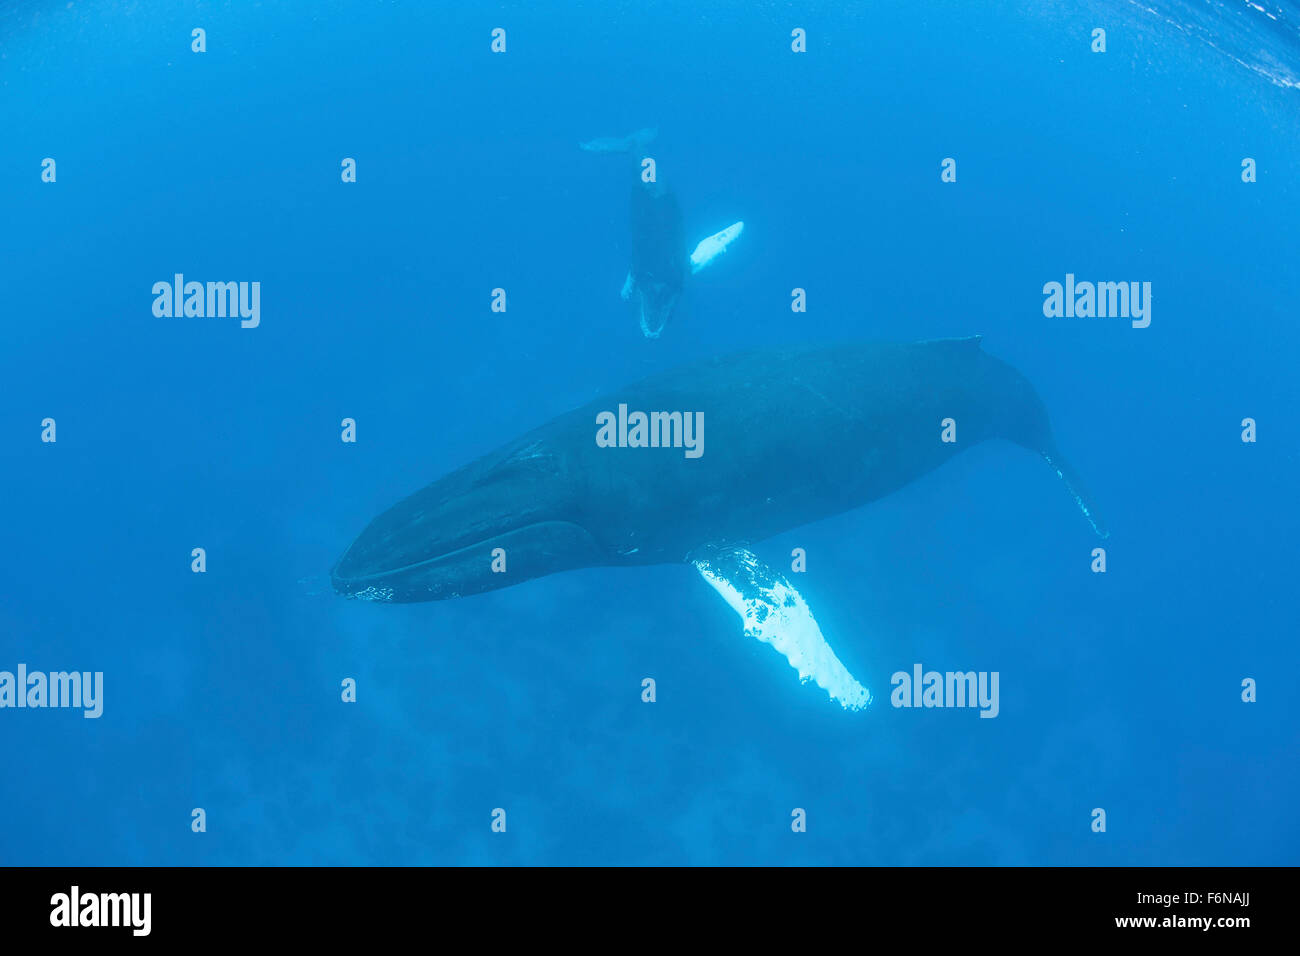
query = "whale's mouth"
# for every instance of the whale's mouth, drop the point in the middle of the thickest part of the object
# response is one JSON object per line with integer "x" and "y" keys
{"x": 489, "y": 525}
{"x": 656, "y": 302}
{"x": 530, "y": 551}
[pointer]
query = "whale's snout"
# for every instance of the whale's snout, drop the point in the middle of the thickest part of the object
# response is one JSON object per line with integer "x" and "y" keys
{"x": 490, "y": 525}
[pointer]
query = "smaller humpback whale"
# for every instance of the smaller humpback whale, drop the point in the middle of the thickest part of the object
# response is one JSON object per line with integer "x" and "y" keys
{"x": 660, "y": 263}
{"x": 795, "y": 435}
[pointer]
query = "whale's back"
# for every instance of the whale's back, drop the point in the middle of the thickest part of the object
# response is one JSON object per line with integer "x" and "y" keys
{"x": 789, "y": 436}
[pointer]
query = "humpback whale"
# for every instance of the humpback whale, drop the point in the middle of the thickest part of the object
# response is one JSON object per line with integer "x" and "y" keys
{"x": 794, "y": 435}
{"x": 660, "y": 262}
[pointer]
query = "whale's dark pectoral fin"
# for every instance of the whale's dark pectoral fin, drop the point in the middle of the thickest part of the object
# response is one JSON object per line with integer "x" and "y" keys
{"x": 775, "y": 613}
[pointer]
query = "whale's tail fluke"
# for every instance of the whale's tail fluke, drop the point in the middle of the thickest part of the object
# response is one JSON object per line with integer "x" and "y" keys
{"x": 1024, "y": 420}
{"x": 634, "y": 142}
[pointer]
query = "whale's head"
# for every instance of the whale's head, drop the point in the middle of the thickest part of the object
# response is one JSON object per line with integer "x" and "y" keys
{"x": 657, "y": 300}
{"x": 504, "y": 519}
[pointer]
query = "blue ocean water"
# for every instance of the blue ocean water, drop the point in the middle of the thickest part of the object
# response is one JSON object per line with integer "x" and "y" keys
{"x": 1120, "y": 691}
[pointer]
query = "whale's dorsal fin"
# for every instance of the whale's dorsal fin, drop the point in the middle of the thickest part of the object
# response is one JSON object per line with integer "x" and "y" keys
{"x": 776, "y": 614}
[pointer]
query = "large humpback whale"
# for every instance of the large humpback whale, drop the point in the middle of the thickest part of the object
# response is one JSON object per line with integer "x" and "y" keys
{"x": 660, "y": 262}
{"x": 788, "y": 437}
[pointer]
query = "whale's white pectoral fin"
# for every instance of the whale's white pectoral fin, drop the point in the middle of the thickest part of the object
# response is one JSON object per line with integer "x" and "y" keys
{"x": 628, "y": 285}
{"x": 775, "y": 613}
{"x": 714, "y": 246}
